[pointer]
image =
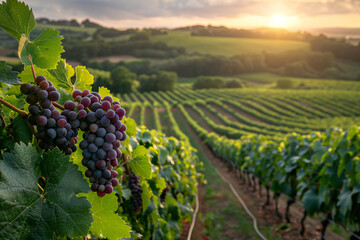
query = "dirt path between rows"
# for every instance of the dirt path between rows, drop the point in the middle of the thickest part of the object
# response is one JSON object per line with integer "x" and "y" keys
{"x": 266, "y": 217}
{"x": 245, "y": 114}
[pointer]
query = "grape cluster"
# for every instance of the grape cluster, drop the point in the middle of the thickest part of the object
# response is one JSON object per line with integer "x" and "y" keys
{"x": 136, "y": 191}
{"x": 103, "y": 131}
{"x": 54, "y": 129}
{"x": 163, "y": 194}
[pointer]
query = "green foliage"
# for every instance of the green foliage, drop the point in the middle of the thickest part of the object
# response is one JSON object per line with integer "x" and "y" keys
{"x": 16, "y": 18}
{"x": 30, "y": 211}
{"x": 208, "y": 82}
{"x": 233, "y": 83}
{"x": 8, "y": 76}
{"x": 122, "y": 80}
{"x": 161, "y": 81}
{"x": 140, "y": 163}
{"x": 45, "y": 50}
{"x": 284, "y": 83}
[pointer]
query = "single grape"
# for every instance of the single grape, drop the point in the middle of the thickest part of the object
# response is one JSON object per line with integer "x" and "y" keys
{"x": 118, "y": 135}
{"x": 114, "y": 173}
{"x": 51, "y": 89}
{"x": 110, "y": 114}
{"x": 104, "y": 121}
{"x": 94, "y": 99}
{"x": 44, "y": 85}
{"x": 105, "y": 105}
{"x": 97, "y": 173}
{"x": 111, "y": 154}
{"x": 39, "y": 79}
{"x": 99, "y": 141}
{"x": 61, "y": 132}
{"x": 92, "y": 148}
{"x": 108, "y": 188}
{"x": 55, "y": 114}
{"x": 118, "y": 153}
{"x": 100, "y": 164}
{"x": 41, "y": 120}
{"x": 61, "y": 122}
{"x": 42, "y": 95}
{"x": 101, "y": 188}
{"x": 51, "y": 133}
{"x": 116, "y": 144}
{"x": 110, "y": 128}
{"x": 86, "y": 154}
{"x": 54, "y": 96}
{"x": 124, "y": 137}
{"x": 84, "y": 144}
{"x": 85, "y": 93}
{"x": 114, "y": 162}
{"x": 101, "y": 154}
{"x": 75, "y": 124}
{"x": 31, "y": 99}
{"x": 85, "y": 102}
{"x": 70, "y": 105}
{"x": 99, "y": 113}
{"x": 117, "y": 125}
{"x": 107, "y": 146}
{"x": 76, "y": 93}
{"x": 80, "y": 107}
{"x": 91, "y": 117}
{"x": 45, "y": 103}
{"x": 78, "y": 99}
{"x": 34, "y": 109}
{"x": 91, "y": 166}
{"x": 116, "y": 106}
{"x": 92, "y": 180}
{"x": 96, "y": 94}
{"x": 72, "y": 115}
{"x": 101, "y": 194}
{"x": 110, "y": 137}
{"x": 102, "y": 181}
{"x": 51, "y": 123}
{"x": 108, "y": 98}
{"x": 68, "y": 126}
{"x": 120, "y": 112}
{"x": 88, "y": 173}
{"x": 123, "y": 128}
{"x": 95, "y": 106}
{"x": 101, "y": 132}
{"x": 34, "y": 89}
{"x": 91, "y": 138}
{"x": 94, "y": 187}
{"x": 114, "y": 182}
{"x": 25, "y": 88}
{"x": 93, "y": 128}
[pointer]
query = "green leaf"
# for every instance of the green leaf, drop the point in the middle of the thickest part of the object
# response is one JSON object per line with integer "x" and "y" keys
{"x": 45, "y": 50}
{"x": 21, "y": 131}
{"x": 126, "y": 193}
{"x": 16, "y": 18}
{"x": 107, "y": 224}
{"x": 43, "y": 215}
{"x": 84, "y": 79}
{"x": 130, "y": 126}
{"x": 7, "y": 76}
{"x": 140, "y": 163}
{"x": 63, "y": 73}
{"x": 312, "y": 201}
{"x": 160, "y": 184}
{"x": 146, "y": 195}
{"x": 8, "y": 113}
{"x": 26, "y": 76}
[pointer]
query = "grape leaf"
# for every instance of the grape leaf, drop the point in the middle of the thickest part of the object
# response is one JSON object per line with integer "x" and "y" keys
{"x": 84, "y": 79}
{"x": 140, "y": 163}
{"x": 21, "y": 131}
{"x": 16, "y": 18}
{"x": 44, "y": 50}
{"x": 146, "y": 195}
{"x": 26, "y": 76}
{"x": 7, "y": 76}
{"x": 103, "y": 91}
{"x": 63, "y": 73}
{"x": 56, "y": 211}
{"x": 130, "y": 126}
{"x": 107, "y": 224}
{"x": 9, "y": 113}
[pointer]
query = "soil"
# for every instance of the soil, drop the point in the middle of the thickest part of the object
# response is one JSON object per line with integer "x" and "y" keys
{"x": 265, "y": 216}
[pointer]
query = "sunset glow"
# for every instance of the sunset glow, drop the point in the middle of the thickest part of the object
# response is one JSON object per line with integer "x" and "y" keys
{"x": 281, "y": 21}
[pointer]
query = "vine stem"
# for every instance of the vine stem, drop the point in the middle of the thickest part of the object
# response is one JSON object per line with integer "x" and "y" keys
{"x": 3, "y": 120}
{"x": 9, "y": 105}
{"x": 32, "y": 66}
{"x": 126, "y": 164}
{"x": 58, "y": 105}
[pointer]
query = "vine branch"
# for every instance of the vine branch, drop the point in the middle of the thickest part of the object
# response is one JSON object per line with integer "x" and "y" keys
{"x": 9, "y": 105}
{"x": 32, "y": 67}
{"x": 3, "y": 120}
{"x": 58, "y": 105}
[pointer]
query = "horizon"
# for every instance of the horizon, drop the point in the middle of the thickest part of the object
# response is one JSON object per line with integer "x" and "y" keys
{"x": 292, "y": 15}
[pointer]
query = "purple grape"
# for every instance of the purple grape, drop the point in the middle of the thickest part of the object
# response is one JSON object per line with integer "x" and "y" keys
{"x": 85, "y": 102}
{"x": 42, "y": 95}
{"x": 34, "y": 109}
{"x": 91, "y": 117}
{"x": 51, "y": 89}
{"x": 44, "y": 85}
{"x": 72, "y": 115}
{"x": 110, "y": 128}
{"x": 110, "y": 114}
{"x": 94, "y": 187}
{"x": 54, "y": 96}
{"x": 55, "y": 114}
{"x": 107, "y": 146}
{"x": 41, "y": 120}
{"x": 105, "y": 105}
{"x": 82, "y": 113}
{"x": 101, "y": 154}
{"x": 51, "y": 133}
{"x": 97, "y": 174}
{"x": 45, "y": 103}
{"x": 101, "y": 132}
{"x": 110, "y": 137}
{"x": 61, "y": 122}
{"x": 114, "y": 182}
{"x": 51, "y": 123}
{"x": 70, "y": 105}
{"x": 61, "y": 132}
{"x": 108, "y": 188}
{"x": 25, "y": 88}
{"x": 83, "y": 144}
{"x": 99, "y": 141}
{"x": 104, "y": 121}
{"x": 100, "y": 164}
{"x": 95, "y": 106}
{"x": 92, "y": 148}
{"x": 76, "y": 93}
{"x": 111, "y": 154}
{"x": 93, "y": 128}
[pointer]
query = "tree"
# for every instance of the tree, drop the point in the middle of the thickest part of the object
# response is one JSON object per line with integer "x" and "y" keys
{"x": 203, "y": 82}
{"x": 284, "y": 83}
{"x": 122, "y": 80}
{"x": 161, "y": 81}
{"x": 233, "y": 83}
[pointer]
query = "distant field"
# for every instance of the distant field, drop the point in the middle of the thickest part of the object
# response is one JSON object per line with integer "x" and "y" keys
{"x": 58, "y": 27}
{"x": 226, "y": 46}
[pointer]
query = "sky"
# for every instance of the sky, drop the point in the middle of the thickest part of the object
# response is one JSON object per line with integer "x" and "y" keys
{"x": 290, "y": 14}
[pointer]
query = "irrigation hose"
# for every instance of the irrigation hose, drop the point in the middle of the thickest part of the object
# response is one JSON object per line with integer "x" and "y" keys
{"x": 194, "y": 217}
{"x": 242, "y": 203}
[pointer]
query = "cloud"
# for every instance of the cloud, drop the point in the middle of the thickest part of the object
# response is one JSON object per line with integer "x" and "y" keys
{"x": 136, "y": 10}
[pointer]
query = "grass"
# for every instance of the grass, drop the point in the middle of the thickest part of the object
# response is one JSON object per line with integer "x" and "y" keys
{"x": 226, "y": 46}
{"x": 214, "y": 187}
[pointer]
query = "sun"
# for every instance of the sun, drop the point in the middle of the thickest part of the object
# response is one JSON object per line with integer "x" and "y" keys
{"x": 281, "y": 21}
